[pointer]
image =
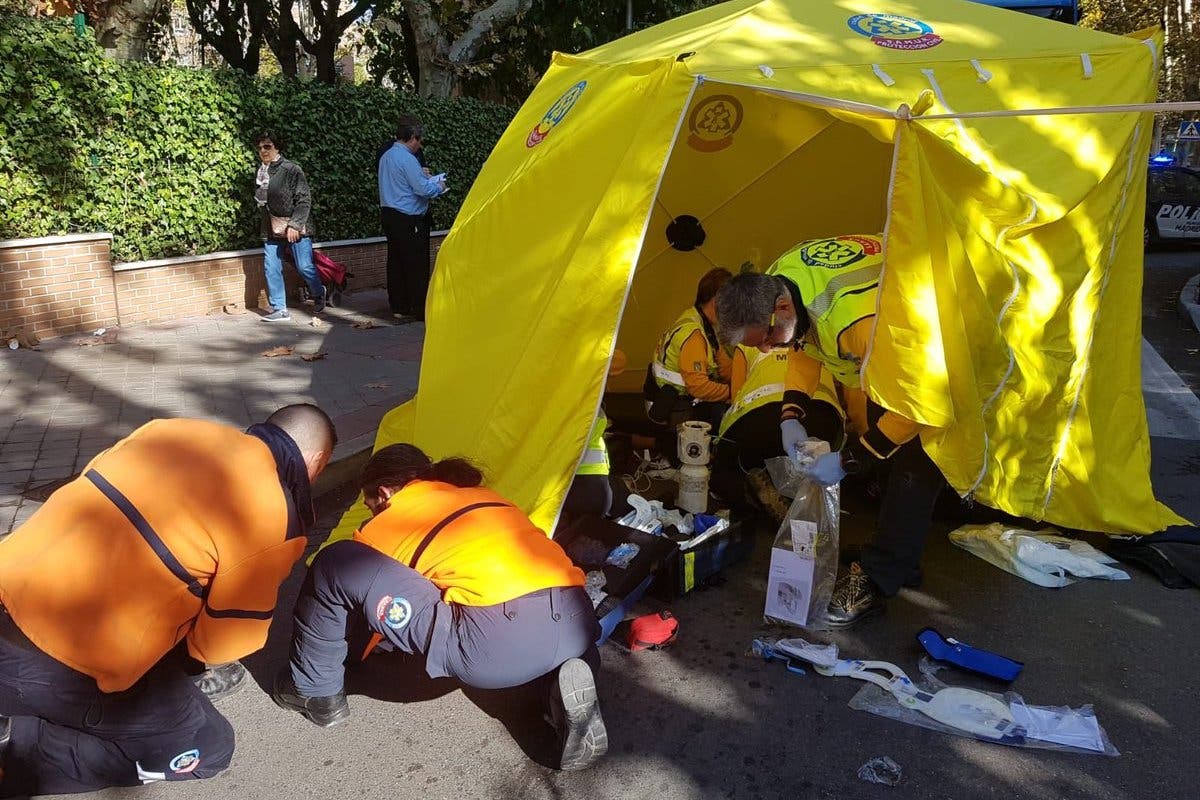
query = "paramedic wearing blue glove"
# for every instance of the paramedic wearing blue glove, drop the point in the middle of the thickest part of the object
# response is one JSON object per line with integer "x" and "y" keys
{"x": 819, "y": 298}
{"x": 404, "y": 194}
{"x": 453, "y": 572}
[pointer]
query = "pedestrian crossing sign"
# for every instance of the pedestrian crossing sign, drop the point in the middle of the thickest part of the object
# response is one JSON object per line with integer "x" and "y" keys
{"x": 1189, "y": 131}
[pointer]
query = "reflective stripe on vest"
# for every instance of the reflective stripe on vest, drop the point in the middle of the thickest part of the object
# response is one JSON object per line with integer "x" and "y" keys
{"x": 665, "y": 375}
{"x": 595, "y": 457}
{"x": 765, "y": 374}
{"x": 838, "y": 280}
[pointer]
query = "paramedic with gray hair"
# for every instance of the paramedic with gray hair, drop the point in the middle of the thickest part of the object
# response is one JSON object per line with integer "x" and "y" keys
{"x": 819, "y": 299}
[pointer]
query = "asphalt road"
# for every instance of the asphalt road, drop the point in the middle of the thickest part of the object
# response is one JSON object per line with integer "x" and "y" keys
{"x": 704, "y": 720}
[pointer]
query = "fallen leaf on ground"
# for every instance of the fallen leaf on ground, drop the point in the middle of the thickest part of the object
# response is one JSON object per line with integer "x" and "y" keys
{"x": 89, "y": 341}
{"x": 275, "y": 352}
{"x": 380, "y": 385}
{"x": 312, "y": 356}
{"x": 365, "y": 325}
{"x": 234, "y": 308}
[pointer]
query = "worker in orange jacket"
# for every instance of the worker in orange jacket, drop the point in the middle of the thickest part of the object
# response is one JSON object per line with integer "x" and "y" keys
{"x": 451, "y": 571}
{"x": 181, "y": 532}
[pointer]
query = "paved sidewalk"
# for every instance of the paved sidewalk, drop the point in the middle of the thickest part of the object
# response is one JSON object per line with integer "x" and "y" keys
{"x": 63, "y": 403}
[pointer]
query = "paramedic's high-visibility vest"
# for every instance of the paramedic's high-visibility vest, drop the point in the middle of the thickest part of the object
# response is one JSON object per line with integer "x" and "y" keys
{"x": 179, "y": 531}
{"x": 765, "y": 384}
{"x": 838, "y": 279}
{"x": 471, "y": 543}
{"x": 665, "y": 366}
{"x": 595, "y": 457}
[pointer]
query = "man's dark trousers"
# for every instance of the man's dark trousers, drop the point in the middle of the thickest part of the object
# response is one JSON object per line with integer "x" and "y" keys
{"x": 68, "y": 736}
{"x": 407, "y": 261}
{"x": 910, "y": 492}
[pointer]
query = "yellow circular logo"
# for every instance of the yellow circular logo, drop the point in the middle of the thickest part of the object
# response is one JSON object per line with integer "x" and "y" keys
{"x": 838, "y": 252}
{"x": 713, "y": 122}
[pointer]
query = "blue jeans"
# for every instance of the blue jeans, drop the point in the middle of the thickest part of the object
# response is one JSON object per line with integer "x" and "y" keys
{"x": 273, "y": 267}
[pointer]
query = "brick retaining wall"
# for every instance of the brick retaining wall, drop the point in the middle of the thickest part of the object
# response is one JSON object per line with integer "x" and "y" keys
{"x": 66, "y": 284}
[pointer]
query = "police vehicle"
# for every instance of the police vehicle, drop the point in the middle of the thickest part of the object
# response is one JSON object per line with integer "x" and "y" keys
{"x": 1172, "y": 205}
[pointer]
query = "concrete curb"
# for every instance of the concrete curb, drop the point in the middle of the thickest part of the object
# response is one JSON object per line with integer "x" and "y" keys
{"x": 1189, "y": 301}
{"x": 346, "y": 464}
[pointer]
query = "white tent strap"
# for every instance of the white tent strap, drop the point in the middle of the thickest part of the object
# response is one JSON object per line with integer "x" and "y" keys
{"x": 1153, "y": 52}
{"x": 1086, "y": 60}
{"x": 884, "y": 78}
{"x": 1129, "y": 108}
{"x": 984, "y": 75}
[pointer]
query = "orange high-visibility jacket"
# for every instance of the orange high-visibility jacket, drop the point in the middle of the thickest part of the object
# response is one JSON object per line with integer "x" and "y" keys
{"x": 179, "y": 530}
{"x": 484, "y": 550}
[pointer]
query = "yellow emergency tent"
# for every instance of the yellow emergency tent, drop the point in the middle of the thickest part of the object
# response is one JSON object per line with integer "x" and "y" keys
{"x": 1009, "y": 318}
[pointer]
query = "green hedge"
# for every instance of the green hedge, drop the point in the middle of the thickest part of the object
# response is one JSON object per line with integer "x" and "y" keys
{"x": 162, "y": 157}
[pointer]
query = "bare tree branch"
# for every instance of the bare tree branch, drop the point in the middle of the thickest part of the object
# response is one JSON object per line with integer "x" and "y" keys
{"x": 467, "y": 45}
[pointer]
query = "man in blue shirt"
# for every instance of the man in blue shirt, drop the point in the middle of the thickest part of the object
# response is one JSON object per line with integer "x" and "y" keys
{"x": 405, "y": 189}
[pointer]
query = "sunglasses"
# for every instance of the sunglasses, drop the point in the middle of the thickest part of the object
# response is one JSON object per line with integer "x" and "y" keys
{"x": 266, "y": 147}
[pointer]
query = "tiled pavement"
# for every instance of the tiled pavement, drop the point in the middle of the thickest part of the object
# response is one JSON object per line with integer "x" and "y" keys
{"x": 63, "y": 403}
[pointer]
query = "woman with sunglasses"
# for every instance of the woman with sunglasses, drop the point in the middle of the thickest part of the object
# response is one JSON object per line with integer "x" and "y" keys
{"x": 285, "y": 203}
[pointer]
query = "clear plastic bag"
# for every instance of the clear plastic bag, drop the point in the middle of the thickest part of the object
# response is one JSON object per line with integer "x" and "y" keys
{"x": 804, "y": 557}
{"x": 1070, "y": 730}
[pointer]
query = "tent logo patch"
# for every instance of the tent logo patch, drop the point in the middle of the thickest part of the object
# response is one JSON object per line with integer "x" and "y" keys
{"x": 555, "y": 115}
{"x": 713, "y": 122}
{"x": 895, "y": 32}
{"x": 841, "y": 251}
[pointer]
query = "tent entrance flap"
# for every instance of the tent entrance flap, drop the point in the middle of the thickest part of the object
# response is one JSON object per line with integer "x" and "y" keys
{"x": 751, "y": 173}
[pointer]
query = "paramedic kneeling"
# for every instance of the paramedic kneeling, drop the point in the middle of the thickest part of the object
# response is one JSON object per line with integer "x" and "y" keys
{"x": 182, "y": 531}
{"x": 454, "y": 572}
{"x": 819, "y": 298}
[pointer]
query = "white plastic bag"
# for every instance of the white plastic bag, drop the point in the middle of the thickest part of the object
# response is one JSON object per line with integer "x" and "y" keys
{"x": 804, "y": 557}
{"x": 1042, "y": 557}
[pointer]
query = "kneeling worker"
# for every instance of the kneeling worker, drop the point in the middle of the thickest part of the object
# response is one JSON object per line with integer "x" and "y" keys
{"x": 689, "y": 377}
{"x": 820, "y": 299}
{"x": 184, "y": 530}
{"x": 454, "y": 572}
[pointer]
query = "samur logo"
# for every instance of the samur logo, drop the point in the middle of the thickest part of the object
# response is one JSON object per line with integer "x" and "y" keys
{"x": 556, "y": 113}
{"x": 895, "y": 32}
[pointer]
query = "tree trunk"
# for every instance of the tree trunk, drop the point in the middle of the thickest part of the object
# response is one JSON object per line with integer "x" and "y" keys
{"x": 125, "y": 27}
{"x": 283, "y": 37}
{"x": 439, "y": 60}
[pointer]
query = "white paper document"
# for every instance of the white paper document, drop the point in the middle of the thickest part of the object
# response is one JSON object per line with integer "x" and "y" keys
{"x": 789, "y": 586}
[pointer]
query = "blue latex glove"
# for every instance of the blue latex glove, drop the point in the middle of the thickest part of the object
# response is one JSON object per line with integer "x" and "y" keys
{"x": 827, "y": 469}
{"x": 794, "y": 435}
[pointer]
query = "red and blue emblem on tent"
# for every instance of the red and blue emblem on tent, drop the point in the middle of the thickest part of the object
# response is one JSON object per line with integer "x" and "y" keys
{"x": 555, "y": 115}
{"x": 895, "y": 32}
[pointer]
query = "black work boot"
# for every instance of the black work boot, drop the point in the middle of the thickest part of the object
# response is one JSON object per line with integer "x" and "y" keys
{"x": 855, "y": 597}
{"x": 575, "y": 715}
{"x": 322, "y": 711}
{"x": 221, "y": 681}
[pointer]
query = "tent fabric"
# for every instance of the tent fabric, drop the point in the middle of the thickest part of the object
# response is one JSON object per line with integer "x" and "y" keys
{"x": 1009, "y": 314}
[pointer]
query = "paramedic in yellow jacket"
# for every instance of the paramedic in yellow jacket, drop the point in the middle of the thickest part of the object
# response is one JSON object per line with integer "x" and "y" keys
{"x": 749, "y": 432}
{"x": 180, "y": 533}
{"x": 689, "y": 377}
{"x": 820, "y": 298}
{"x": 450, "y": 571}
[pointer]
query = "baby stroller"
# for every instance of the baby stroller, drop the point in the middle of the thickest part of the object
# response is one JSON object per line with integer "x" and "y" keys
{"x": 333, "y": 276}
